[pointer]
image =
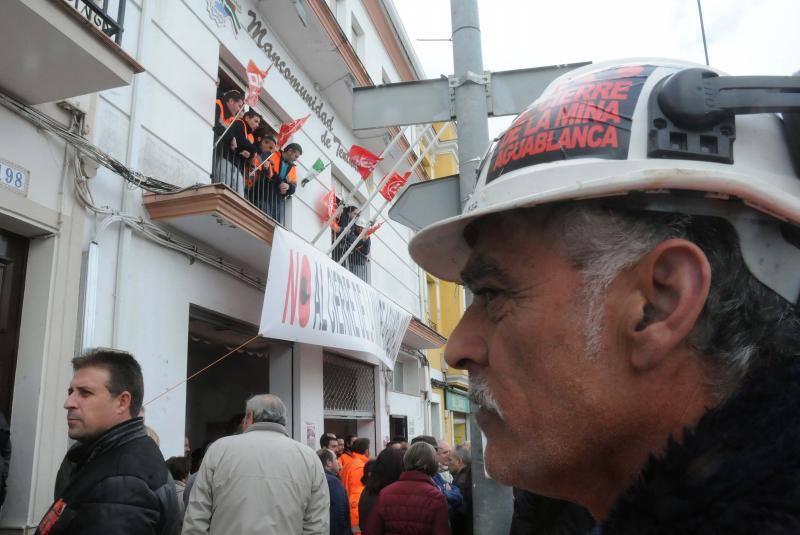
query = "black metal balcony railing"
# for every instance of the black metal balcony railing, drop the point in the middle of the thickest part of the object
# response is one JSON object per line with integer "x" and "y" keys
{"x": 97, "y": 14}
{"x": 357, "y": 262}
{"x": 248, "y": 181}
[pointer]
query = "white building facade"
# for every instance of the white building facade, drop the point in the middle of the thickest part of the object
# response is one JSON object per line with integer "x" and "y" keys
{"x": 174, "y": 271}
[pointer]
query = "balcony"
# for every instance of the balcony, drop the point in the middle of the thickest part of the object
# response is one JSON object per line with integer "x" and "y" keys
{"x": 356, "y": 262}
{"x": 249, "y": 181}
{"x": 58, "y": 49}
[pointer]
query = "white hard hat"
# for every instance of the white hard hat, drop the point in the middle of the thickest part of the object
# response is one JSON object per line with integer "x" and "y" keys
{"x": 657, "y": 133}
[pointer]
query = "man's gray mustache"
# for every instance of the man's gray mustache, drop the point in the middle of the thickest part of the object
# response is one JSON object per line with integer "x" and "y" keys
{"x": 480, "y": 394}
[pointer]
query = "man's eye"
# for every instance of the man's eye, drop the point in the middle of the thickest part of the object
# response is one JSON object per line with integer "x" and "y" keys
{"x": 488, "y": 294}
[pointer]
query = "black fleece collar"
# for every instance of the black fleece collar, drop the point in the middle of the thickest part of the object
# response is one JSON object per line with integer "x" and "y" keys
{"x": 112, "y": 438}
{"x": 738, "y": 471}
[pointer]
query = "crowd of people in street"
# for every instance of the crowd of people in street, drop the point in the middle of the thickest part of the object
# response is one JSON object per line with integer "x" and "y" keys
{"x": 416, "y": 488}
{"x": 257, "y": 479}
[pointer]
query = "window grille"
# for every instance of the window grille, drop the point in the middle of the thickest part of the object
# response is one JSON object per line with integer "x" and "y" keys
{"x": 348, "y": 388}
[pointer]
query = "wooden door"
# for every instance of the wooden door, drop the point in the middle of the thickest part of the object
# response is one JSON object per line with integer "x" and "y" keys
{"x": 13, "y": 253}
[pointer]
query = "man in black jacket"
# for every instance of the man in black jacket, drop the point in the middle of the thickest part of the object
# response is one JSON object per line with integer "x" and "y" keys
{"x": 118, "y": 482}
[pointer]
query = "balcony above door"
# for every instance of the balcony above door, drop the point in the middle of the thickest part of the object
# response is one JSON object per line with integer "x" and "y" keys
{"x": 58, "y": 49}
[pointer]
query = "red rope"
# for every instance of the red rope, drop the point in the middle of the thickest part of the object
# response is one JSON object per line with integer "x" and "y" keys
{"x": 195, "y": 374}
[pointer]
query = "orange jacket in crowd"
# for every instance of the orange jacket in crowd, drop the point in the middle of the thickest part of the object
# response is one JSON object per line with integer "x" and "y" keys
{"x": 344, "y": 459}
{"x": 351, "y": 478}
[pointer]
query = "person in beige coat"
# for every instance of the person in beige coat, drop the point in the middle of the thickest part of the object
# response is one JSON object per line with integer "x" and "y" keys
{"x": 261, "y": 481}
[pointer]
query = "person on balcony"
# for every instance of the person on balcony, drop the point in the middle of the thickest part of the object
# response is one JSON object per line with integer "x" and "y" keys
{"x": 242, "y": 130}
{"x": 284, "y": 180}
{"x": 228, "y": 107}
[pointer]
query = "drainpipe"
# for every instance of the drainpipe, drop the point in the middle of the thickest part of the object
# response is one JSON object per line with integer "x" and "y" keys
{"x": 132, "y": 155}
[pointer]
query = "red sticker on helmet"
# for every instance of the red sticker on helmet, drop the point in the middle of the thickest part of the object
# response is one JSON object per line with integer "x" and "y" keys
{"x": 585, "y": 117}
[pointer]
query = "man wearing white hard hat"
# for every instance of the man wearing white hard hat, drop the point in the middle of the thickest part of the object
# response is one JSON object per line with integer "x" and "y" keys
{"x": 632, "y": 248}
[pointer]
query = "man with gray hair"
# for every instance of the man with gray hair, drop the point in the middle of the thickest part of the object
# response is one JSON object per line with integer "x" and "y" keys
{"x": 633, "y": 340}
{"x": 261, "y": 481}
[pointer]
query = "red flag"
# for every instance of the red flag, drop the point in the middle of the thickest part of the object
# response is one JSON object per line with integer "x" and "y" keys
{"x": 255, "y": 79}
{"x": 329, "y": 208}
{"x": 288, "y": 129}
{"x": 372, "y": 230}
{"x": 394, "y": 184}
{"x": 330, "y": 203}
{"x": 364, "y": 160}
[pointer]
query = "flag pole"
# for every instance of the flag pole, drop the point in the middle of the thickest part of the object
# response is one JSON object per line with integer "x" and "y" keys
{"x": 372, "y": 195}
{"x": 314, "y": 175}
{"x": 431, "y": 146}
{"x": 351, "y": 194}
{"x": 238, "y": 114}
{"x": 703, "y": 30}
{"x": 260, "y": 87}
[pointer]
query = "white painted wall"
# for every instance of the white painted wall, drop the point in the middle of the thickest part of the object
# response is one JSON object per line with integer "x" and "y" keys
{"x": 410, "y": 406}
{"x": 49, "y": 312}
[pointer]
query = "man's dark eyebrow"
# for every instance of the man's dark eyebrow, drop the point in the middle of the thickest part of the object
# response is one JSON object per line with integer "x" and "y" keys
{"x": 480, "y": 269}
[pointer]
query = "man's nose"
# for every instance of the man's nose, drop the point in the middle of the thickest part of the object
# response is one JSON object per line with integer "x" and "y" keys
{"x": 69, "y": 403}
{"x": 466, "y": 346}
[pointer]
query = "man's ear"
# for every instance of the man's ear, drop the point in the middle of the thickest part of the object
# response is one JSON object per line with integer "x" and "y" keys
{"x": 673, "y": 281}
{"x": 124, "y": 403}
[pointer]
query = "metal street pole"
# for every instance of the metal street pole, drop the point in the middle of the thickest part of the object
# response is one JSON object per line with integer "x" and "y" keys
{"x": 492, "y": 503}
{"x": 470, "y": 86}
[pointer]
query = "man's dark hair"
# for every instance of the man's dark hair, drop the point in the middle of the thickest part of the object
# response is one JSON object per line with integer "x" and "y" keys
{"x": 386, "y": 470}
{"x": 264, "y": 135}
{"x": 326, "y": 439}
{"x": 197, "y": 457}
{"x": 426, "y": 439}
{"x": 252, "y": 113}
{"x": 295, "y": 146}
{"x": 348, "y": 441}
{"x": 360, "y": 445}
{"x": 178, "y": 467}
{"x": 233, "y": 94}
{"x": 124, "y": 373}
{"x": 325, "y": 456}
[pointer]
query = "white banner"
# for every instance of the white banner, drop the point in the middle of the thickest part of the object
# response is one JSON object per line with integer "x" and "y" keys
{"x": 312, "y": 299}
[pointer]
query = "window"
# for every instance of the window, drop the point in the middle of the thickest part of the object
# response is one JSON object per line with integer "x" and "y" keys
{"x": 339, "y": 10}
{"x": 237, "y": 159}
{"x": 357, "y": 37}
{"x": 357, "y": 262}
{"x": 348, "y": 388}
{"x": 406, "y": 375}
{"x": 397, "y": 382}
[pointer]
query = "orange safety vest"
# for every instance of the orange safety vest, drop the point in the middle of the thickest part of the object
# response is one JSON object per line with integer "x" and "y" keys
{"x": 221, "y": 114}
{"x": 275, "y": 162}
{"x": 258, "y": 171}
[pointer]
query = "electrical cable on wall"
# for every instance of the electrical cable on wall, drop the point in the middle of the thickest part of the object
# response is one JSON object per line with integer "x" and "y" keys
{"x": 134, "y": 179}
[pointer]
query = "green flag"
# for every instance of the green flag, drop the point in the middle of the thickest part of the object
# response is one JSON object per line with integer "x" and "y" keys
{"x": 318, "y": 166}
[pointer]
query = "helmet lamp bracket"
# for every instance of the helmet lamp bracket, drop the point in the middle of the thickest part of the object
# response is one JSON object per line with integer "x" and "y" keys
{"x": 692, "y": 112}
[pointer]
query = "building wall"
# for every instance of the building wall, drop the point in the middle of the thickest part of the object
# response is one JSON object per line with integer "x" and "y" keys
{"x": 162, "y": 126}
{"x": 50, "y": 216}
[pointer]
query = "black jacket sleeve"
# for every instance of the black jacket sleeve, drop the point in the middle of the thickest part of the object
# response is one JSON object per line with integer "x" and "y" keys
{"x": 124, "y": 504}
